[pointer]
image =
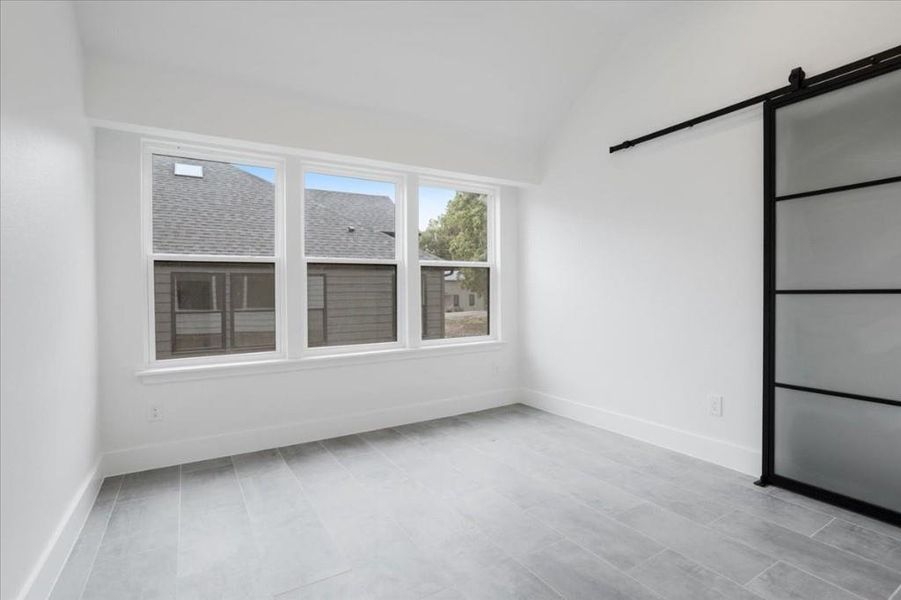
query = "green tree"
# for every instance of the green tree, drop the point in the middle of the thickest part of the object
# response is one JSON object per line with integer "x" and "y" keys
{"x": 461, "y": 234}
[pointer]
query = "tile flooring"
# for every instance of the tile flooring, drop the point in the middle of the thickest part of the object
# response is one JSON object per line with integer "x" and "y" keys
{"x": 505, "y": 503}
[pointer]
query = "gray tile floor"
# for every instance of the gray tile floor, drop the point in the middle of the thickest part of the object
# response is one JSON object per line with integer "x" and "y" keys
{"x": 506, "y": 503}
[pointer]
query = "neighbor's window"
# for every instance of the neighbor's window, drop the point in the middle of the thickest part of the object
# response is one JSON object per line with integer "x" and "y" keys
{"x": 454, "y": 262}
{"x": 213, "y": 257}
{"x": 350, "y": 231}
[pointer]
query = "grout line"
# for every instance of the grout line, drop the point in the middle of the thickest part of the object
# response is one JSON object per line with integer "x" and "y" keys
{"x": 600, "y": 558}
{"x": 359, "y": 482}
{"x": 861, "y": 556}
{"x": 253, "y": 530}
{"x": 642, "y": 563}
{"x": 896, "y": 595}
{"x": 828, "y": 523}
{"x": 750, "y": 581}
{"x": 608, "y": 516}
{"x": 830, "y": 583}
{"x": 613, "y": 518}
{"x": 84, "y": 586}
{"x": 478, "y": 528}
{"x": 322, "y": 523}
{"x": 793, "y": 499}
{"x": 564, "y": 537}
{"x": 793, "y": 564}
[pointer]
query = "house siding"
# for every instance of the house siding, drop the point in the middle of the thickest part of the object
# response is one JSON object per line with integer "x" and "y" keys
{"x": 359, "y": 304}
{"x": 432, "y": 303}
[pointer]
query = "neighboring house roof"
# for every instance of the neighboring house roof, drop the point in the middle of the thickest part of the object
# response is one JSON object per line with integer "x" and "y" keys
{"x": 227, "y": 211}
{"x": 230, "y": 211}
{"x": 346, "y": 225}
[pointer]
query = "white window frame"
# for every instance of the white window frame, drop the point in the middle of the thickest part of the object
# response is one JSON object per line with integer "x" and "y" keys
{"x": 399, "y": 181}
{"x": 148, "y": 149}
{"x": 290, "y": 261}
{"x": 492, "y": 195}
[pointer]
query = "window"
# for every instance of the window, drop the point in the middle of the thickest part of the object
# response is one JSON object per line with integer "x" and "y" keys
{"x": 213, "y": 257}
{"x": 455, "y": 260}
{"x": 350, "y": 242}
{"x": 220, "y": 290}
{"x": 205, "y": 308}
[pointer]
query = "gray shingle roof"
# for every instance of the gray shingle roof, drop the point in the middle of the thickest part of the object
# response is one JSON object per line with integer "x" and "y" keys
{"x": 229, "y": 211}
{"x": 346, "y": 225}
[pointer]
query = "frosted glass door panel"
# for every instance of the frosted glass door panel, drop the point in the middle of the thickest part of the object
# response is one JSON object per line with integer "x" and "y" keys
{"x": 843, "y": 240}
{"x": 845, "y": 343}
{"x": 839, "y": 138}
{"x": 846, "y": 446}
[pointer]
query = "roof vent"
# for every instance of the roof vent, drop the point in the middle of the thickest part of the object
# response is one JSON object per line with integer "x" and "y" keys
{"x": 350, "y": 229}
{"x": 188, "y": 170}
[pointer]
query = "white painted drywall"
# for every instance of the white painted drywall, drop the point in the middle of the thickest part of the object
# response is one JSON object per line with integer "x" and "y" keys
{"x": 49, "y": 339}
{"x": 641, "y": 271}
{"x": 478, "y": 67}
{"x": 175, "y": 99}
{"x": 474, "y": 87}
{"x": 226, "y": 415}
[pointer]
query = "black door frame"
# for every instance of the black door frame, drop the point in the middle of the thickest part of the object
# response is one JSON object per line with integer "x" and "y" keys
{"x": 768, "y": 474}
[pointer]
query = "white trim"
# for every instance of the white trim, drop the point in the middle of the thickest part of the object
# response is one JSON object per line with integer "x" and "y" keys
{"x": 49, "y": 565}
{"x": 458, "y": 184}
{"x": 354, "y": 349}
{"x": 493, "y": 232}
{"x": 400, "y": 182}
{"x": 153, "y": 456}
{"x": 150, "y": 147}
{"x": 459, "y": 341}
{"x": 718, "y": 451}
{"x": 291, "y": 317}
{"x": 311, "y": 155}
{"x": 363, "y": 355}
{"x": 214, "y": 258}
{"x": 454, "y": 264}
{"x": 410, "y": 250}
{"x": 350, "y": 261}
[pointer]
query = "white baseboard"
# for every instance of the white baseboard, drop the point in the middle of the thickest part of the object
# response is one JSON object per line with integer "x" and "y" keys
{"x": 166, "y": 454}
{"x": 52, "y": 560}
{"x": 721, "y": 452}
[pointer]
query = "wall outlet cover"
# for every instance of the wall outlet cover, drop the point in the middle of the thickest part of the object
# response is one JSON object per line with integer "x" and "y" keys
{"x": 715, "y": 404}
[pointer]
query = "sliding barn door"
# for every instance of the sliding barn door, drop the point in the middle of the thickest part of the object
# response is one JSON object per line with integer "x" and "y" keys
{"x": 832, "y": 364}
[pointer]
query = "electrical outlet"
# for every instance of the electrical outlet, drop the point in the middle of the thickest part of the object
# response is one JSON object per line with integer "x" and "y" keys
{"x": 715, "y": 406}
{"x": 154, "y": 413}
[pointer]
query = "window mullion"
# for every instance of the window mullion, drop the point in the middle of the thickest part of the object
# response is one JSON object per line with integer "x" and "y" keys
{"x": 294, "y": 332}
{"x": 411, "y": 248}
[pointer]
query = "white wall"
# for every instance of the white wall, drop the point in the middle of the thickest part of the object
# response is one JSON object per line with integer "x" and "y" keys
{"x": 641, "y": 287}
{"x": 225, "y": 415}
{"x": 49, "y": 340}
{"x": 186, "y": 101}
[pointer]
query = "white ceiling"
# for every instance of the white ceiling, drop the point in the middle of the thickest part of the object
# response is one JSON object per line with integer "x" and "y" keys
{"x": 511, "y": 69}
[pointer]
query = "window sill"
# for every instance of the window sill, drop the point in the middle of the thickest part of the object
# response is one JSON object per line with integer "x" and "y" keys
{"x": 280, "y": 365}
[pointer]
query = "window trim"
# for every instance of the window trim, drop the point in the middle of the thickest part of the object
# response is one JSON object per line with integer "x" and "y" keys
{"x": 400, "y": 182}
{"x": 492, "y": 194}
{"x": 191, "y": 152}
{"x": 292, "y": 351}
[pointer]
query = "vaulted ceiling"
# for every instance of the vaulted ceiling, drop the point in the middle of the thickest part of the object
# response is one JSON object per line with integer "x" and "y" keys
{"x": 506, "y": 69}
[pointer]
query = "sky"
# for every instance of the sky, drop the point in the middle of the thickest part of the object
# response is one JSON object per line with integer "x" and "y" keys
{"x": 432, "y": 200}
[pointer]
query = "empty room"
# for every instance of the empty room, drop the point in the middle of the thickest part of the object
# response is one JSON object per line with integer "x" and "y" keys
{"x": 450, "y": 300}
